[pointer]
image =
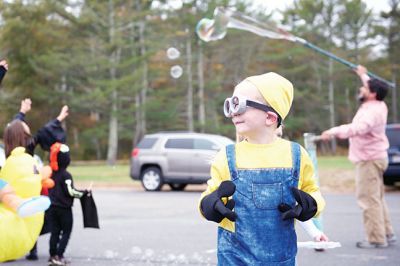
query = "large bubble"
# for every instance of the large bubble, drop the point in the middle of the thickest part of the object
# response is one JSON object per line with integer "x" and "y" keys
{"x": 207, "y": 31}
{"x": 214, "y": 29}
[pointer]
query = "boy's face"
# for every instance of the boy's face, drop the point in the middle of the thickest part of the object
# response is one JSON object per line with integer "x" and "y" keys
{"x": 252, "y": 120}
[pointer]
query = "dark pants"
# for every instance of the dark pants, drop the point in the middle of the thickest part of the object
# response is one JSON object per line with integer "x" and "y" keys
{"x": 60, "y": 220}
{"x": 33, "y": 251}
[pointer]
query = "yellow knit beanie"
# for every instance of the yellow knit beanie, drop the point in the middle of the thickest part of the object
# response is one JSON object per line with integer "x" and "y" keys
{"x": 276, "y": 90}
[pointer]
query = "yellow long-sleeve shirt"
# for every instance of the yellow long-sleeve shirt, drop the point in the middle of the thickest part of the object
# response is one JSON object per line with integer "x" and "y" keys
{"x": 277, "y": 154}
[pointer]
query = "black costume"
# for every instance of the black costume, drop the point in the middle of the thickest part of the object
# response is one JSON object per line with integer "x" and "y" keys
{"x": 46, "y": 136}
{"x": 62, "y": 197}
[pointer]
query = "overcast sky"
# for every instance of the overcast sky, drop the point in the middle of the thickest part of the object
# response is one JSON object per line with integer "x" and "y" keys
{"x": 376, "y": 5}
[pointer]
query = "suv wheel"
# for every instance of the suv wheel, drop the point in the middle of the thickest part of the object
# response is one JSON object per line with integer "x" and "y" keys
{"x": 152, "y": 179}
{"x": 177, "y": 187}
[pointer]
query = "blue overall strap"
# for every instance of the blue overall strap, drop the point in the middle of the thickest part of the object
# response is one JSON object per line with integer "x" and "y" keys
{"x": 230, "y": 156}
{"x": 296, "y": 158}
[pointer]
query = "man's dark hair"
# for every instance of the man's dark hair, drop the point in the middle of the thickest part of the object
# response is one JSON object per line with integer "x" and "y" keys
{"x": 379, "y": 87}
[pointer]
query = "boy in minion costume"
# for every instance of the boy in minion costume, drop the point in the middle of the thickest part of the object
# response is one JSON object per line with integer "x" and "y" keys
{"x": 259, "y": 186}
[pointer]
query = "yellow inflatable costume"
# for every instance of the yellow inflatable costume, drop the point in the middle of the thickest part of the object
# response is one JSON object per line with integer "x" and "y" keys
{"x": 18, "y": 235}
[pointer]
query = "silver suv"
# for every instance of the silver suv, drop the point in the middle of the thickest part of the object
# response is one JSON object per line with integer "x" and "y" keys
{"x": 174, "y": 158}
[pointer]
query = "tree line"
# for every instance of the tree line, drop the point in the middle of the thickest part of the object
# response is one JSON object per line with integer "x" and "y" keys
{"x": 107, "y": 60}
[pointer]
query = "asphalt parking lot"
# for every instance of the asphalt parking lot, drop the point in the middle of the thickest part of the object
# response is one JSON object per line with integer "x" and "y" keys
{"x": 164, "y": 228}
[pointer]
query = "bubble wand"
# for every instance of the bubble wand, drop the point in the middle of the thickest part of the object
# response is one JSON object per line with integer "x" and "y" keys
{"x": 215, "y": 29}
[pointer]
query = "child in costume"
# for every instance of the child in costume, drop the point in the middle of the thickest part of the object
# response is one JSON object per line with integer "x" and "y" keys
{"x": 261, "y": 184}
{"x": 62, "y": 197}
{"x": 21, "y": 172}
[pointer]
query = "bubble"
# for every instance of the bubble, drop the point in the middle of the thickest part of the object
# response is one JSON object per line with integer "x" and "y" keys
{"x": 213, "y": 29}
{"x": 173, "y": 53}
{"x": 206, "y": 31}
{"x": 176, "y": 71}
{"x": 224, "y": 18}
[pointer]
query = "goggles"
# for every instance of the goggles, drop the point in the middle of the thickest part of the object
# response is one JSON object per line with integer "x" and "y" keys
{"x": 236, "y": 105}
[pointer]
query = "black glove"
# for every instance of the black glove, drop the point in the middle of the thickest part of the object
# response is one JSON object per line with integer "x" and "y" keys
{"x": 213, "y": 207}
{"x": 303, "y": 211}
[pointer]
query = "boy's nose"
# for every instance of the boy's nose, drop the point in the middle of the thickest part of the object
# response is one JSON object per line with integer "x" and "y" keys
{"x": 237, "y": 114}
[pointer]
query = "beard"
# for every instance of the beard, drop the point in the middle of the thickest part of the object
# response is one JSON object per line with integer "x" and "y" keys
{"x": 361, "y": 98}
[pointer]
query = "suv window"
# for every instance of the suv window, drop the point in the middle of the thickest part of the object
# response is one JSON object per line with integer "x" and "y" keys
{"x": 393, "y": 135}
{"x": 179, "y": 144}
{"x": 146, "y": 143}
{"x": 203, "y": 144}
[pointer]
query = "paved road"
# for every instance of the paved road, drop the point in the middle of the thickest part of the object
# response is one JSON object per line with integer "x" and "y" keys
{"x": 139, "y": 228}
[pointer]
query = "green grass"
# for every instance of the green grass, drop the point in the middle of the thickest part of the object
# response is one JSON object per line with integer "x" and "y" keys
{"x": 100, "y": 172}
{"x": 118, "y": 174}
{"x": 334, "y": 162}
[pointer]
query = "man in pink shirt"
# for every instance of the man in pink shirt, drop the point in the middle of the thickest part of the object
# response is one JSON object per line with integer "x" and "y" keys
{"x": 368, "y": 146}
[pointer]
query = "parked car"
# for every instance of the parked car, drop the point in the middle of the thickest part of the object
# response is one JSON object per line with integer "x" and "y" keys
{"x": 392, "y": 173}
{"x": 174, "y": 158}
{"x": 3, "y": 157}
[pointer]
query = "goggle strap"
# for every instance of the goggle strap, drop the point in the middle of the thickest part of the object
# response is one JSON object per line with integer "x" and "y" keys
{"x": 264, "y": 108}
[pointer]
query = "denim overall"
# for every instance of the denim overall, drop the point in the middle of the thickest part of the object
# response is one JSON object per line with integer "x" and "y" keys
{"x": 261, "y": 237}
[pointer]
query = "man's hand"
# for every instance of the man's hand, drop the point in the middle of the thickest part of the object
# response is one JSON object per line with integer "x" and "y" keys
{"x": 26, "y": 105}
{"x": 303, "y": 211}
{"x": 3, "y": 63}
{"x": 214, "y": 209}
{"x": 325, "y": 136}
{"x": 63, "y": 114}
{"x": 361, "y": 70}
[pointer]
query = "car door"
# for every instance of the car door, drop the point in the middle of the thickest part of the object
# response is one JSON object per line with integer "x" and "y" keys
{"x": 179, "y": 154}
{"x": 205, "y": 151}
{"x": 392, "y": 173}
